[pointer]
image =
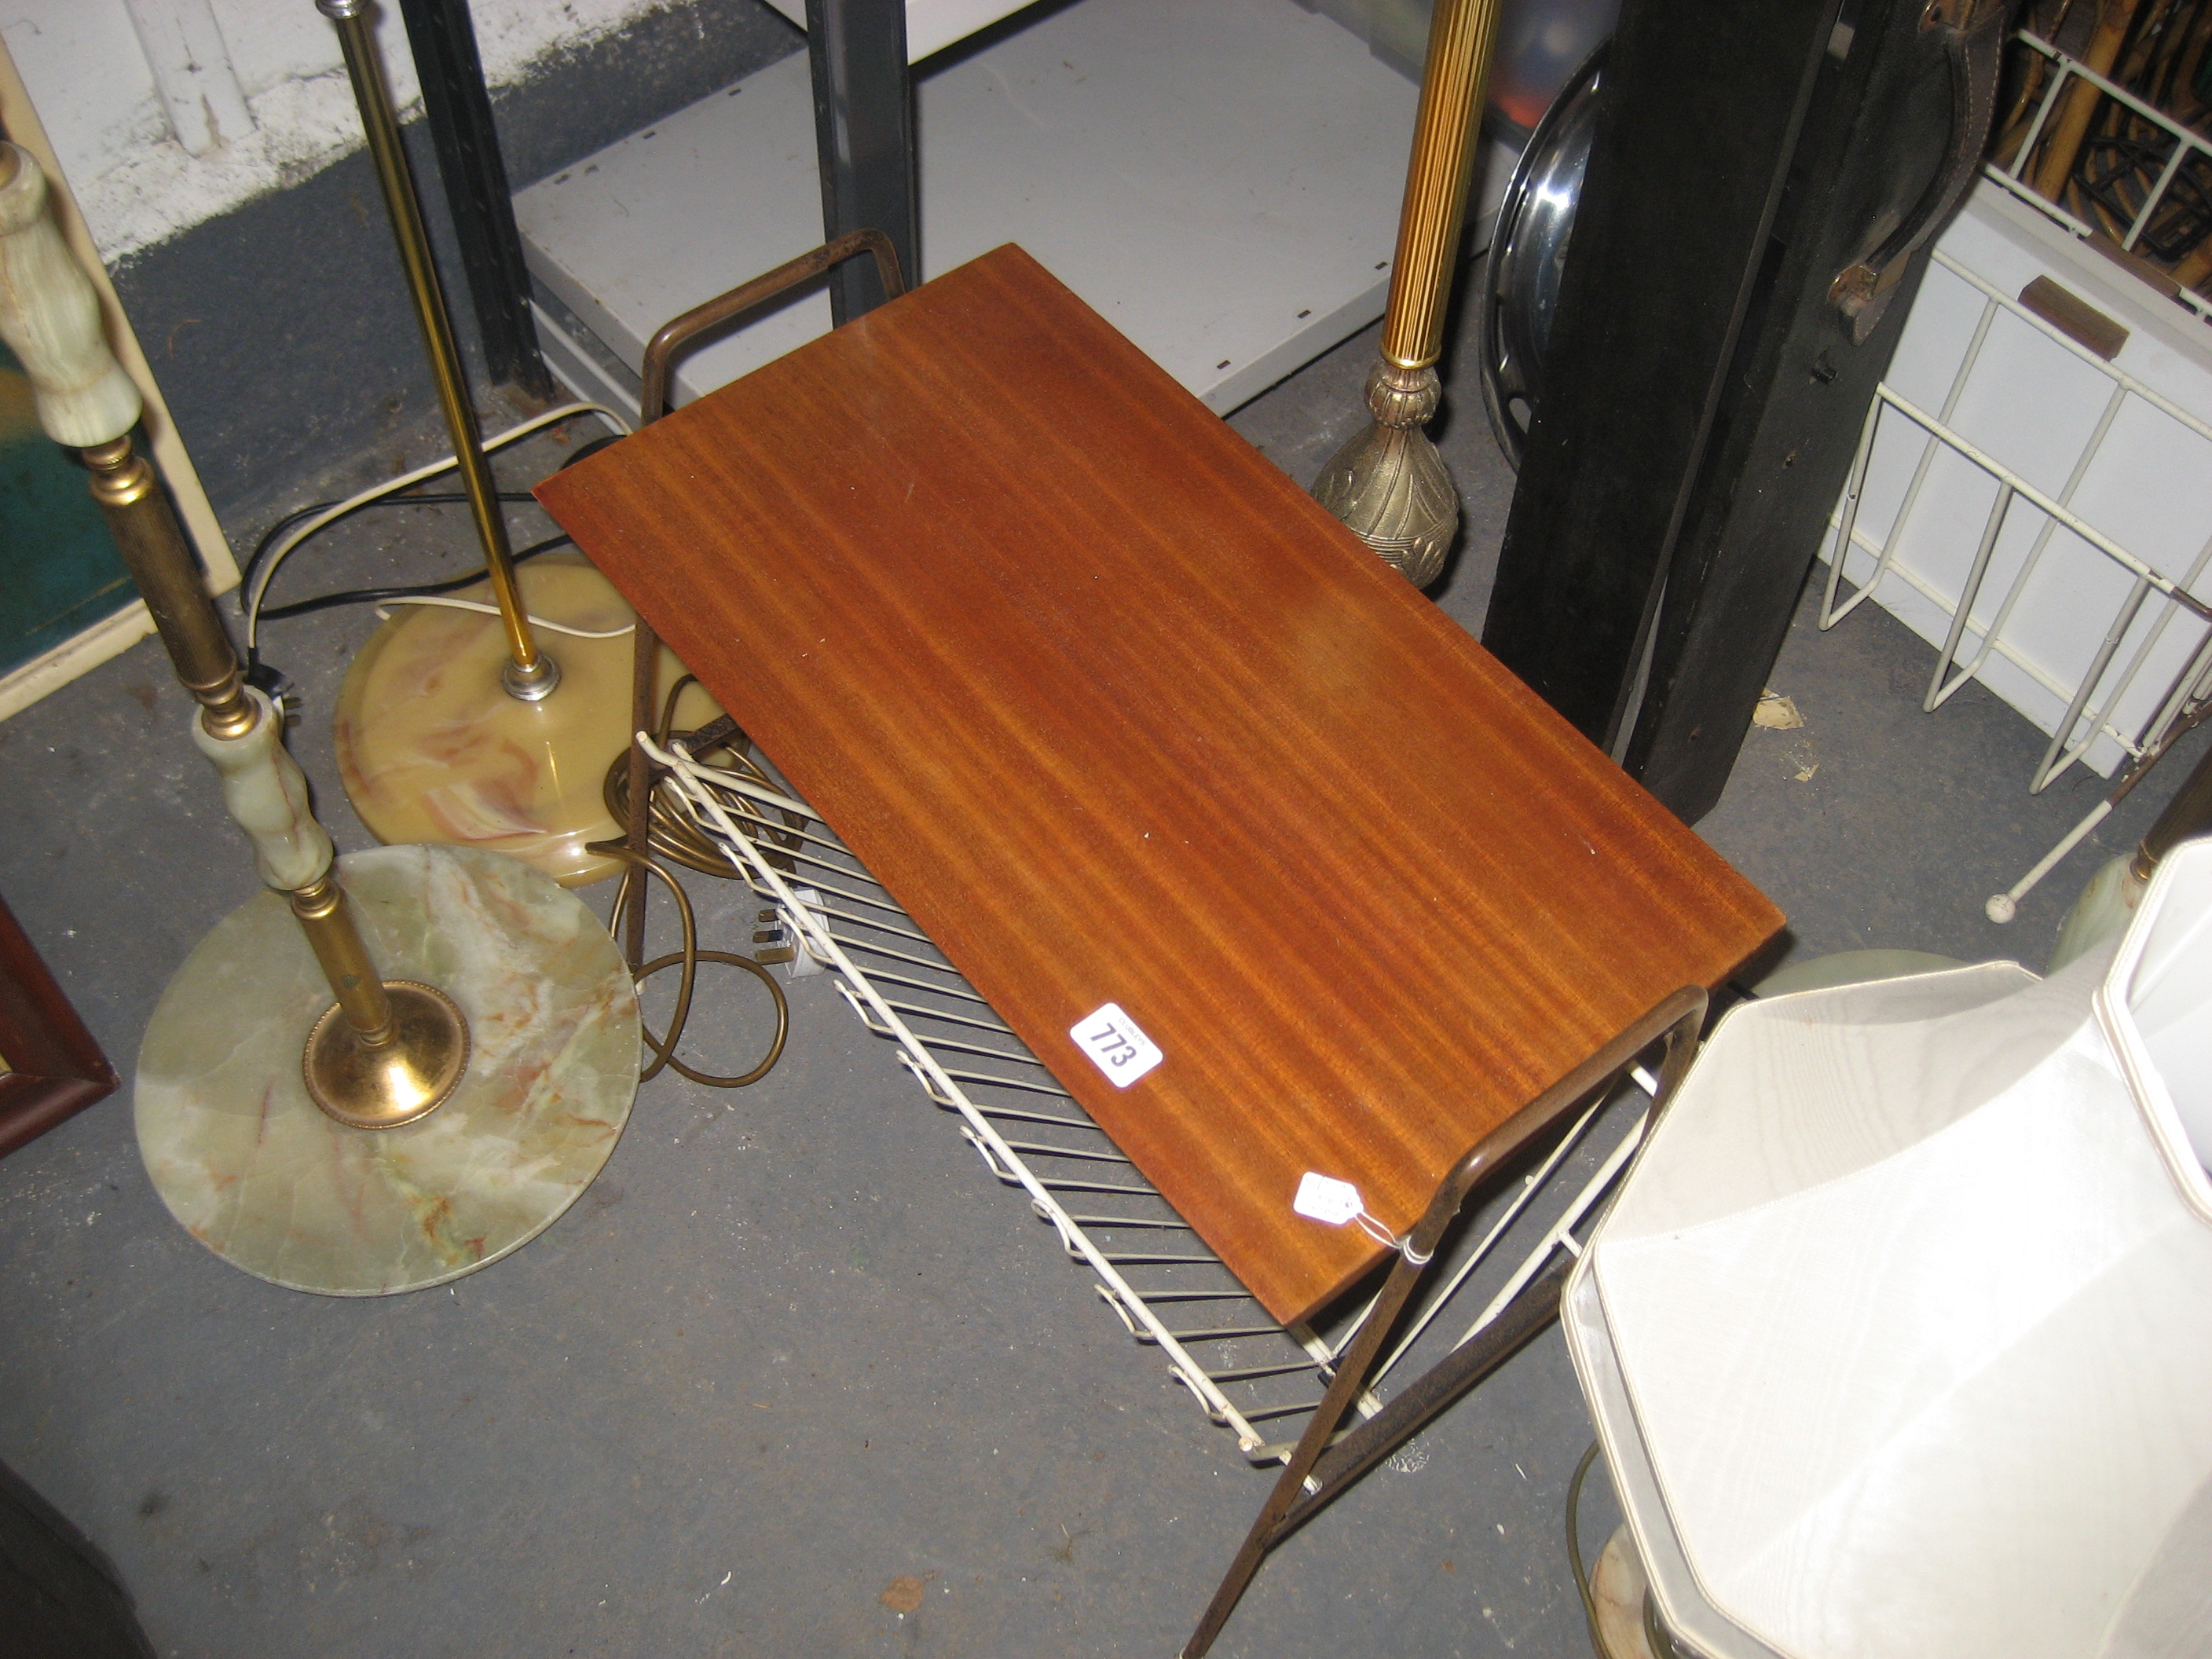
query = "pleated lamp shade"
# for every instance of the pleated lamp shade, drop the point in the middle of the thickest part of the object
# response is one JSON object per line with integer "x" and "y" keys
{"x": 1900, "y": 1337}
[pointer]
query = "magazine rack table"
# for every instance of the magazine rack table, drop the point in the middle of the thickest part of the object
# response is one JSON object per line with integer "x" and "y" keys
{"x": 1276, "y": 871}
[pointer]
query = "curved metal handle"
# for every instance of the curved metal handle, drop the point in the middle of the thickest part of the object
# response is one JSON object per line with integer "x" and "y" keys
{"x": 653, "y": 393}
{"x": 668, "y": 339}
{"x": 1971, "y": 34}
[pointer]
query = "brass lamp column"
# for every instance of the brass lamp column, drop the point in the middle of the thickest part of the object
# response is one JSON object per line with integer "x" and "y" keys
{"x": 453, "y": 725}
{"x": 1388, "y": 484}
{"x": 530, "y": 674}
{"x": 385, "y": 1054}
{"x": 2109, "y": 902}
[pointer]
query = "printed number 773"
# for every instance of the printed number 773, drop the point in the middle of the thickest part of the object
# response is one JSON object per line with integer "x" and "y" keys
{"x": 1113, "y": 1047}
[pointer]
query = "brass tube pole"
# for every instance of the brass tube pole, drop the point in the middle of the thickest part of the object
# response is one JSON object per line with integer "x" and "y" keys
{"x": 161, "y": 563}
{"x": 1461, "y": 34}
{"x": 530, "y": 674}
{"x": 387, "y": 1052}
{"x": 1388, "y": 484}
{"x": 2189, "y": 813}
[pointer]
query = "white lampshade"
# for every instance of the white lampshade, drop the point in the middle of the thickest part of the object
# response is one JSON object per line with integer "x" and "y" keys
{"x": 1900, "y": 1337}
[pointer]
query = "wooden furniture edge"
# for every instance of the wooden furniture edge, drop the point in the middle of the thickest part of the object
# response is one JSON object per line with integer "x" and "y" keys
{"x": 56, "y": 1067}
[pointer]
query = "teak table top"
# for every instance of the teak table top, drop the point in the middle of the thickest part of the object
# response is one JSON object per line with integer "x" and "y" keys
{"x": 1120, "y": 716}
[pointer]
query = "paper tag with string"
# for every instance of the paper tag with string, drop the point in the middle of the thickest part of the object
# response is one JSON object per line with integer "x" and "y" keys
{"x": 1324, "y": 1198}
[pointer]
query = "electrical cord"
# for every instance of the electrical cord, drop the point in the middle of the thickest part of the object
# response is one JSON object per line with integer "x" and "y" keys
{"x": 1575, "y": 1551}
{"x": 384, "y": 614}
{"x": 688, "y": 959}
{"x": 673, "y": 832}
{"x": 387, "y": 595}
{"x": 296, "y": 528}
{"x": 1656, "y": 1638}
{"x": 268, "y": 537}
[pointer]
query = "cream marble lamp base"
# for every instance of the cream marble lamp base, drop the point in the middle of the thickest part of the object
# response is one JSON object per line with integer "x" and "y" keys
{"x": 255, "y": 1171}
{"x": 1617, "y": 1587}
{"x": 431, "y": 748}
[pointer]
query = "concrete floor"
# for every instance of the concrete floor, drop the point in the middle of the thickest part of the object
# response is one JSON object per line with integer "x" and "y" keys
{"x": 796, "y": 1376}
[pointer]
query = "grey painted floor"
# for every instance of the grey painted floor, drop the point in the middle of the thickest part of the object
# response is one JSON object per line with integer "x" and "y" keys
{"x": 795, "y": 1346}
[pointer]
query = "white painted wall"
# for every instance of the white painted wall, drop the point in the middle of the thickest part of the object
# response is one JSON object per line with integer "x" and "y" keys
{"x": 87, "y": 70}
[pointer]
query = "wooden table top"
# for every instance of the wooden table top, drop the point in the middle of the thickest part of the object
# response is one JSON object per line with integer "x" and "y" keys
{"x": 1120, "y": 716}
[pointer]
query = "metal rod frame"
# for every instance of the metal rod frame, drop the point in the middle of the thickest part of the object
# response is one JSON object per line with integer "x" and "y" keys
{"x": 2185, "y": 143}
{"x": 656, "y": 391}
{"x": 1304, "y": 1488}
{"x": 457, "y": 107}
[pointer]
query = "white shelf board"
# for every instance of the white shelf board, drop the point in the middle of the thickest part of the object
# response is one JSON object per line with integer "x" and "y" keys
{"x": 931, "y": 25}
{"x": 1219, "y": 179}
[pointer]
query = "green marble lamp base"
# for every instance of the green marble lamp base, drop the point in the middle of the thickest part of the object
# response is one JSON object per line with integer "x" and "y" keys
{"x": 256, "y": 1171}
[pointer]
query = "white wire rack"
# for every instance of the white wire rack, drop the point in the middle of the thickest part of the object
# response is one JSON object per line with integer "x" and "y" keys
{"x": 2042, "y": 519}
{"x": 1252, "y": 1375}
{"x": 2186, "y": 145}
{"x": 2134, "y": 634}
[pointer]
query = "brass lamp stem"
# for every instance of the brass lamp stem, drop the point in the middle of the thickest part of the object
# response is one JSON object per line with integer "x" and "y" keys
{"x": 1461, "y": 33}
{"x": 327, "y": 920}
{"x": 153, "y": 545}
{"x": 1388, "y": 484}
{"x": 387, "y": 1052}
{"x": 2189, "y": 813}
{"x": 530, "y": 674}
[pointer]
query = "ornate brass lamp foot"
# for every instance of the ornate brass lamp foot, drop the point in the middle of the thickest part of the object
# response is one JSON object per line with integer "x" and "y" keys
{"x": 1388, "y": 484}
{"x": 384, "y": 1085}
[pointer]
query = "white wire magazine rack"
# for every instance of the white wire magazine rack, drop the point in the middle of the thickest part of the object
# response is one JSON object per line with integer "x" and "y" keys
{"x": 1252, "y": 1375}
{"x": 1993, "y": 503}
{"x": 2055, "y": 612}
{"x": 2153, "y": 601}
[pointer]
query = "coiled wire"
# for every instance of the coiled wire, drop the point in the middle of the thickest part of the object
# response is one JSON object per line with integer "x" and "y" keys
{"x": 672, "y": 834}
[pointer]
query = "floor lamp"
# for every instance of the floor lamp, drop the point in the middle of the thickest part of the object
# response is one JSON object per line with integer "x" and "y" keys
{"x": 386, "y": 1071}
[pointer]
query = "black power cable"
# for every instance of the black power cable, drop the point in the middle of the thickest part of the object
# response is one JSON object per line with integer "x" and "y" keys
{"x": 269, "y": 679}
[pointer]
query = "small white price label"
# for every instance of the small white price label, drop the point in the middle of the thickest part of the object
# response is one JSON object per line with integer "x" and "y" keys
{"x": 1116, "y": 1044}
{"x": 1324, "y": 1198}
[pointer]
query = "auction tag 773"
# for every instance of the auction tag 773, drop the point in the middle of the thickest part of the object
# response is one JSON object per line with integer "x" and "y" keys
{"x": 1116, "y": 1044}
